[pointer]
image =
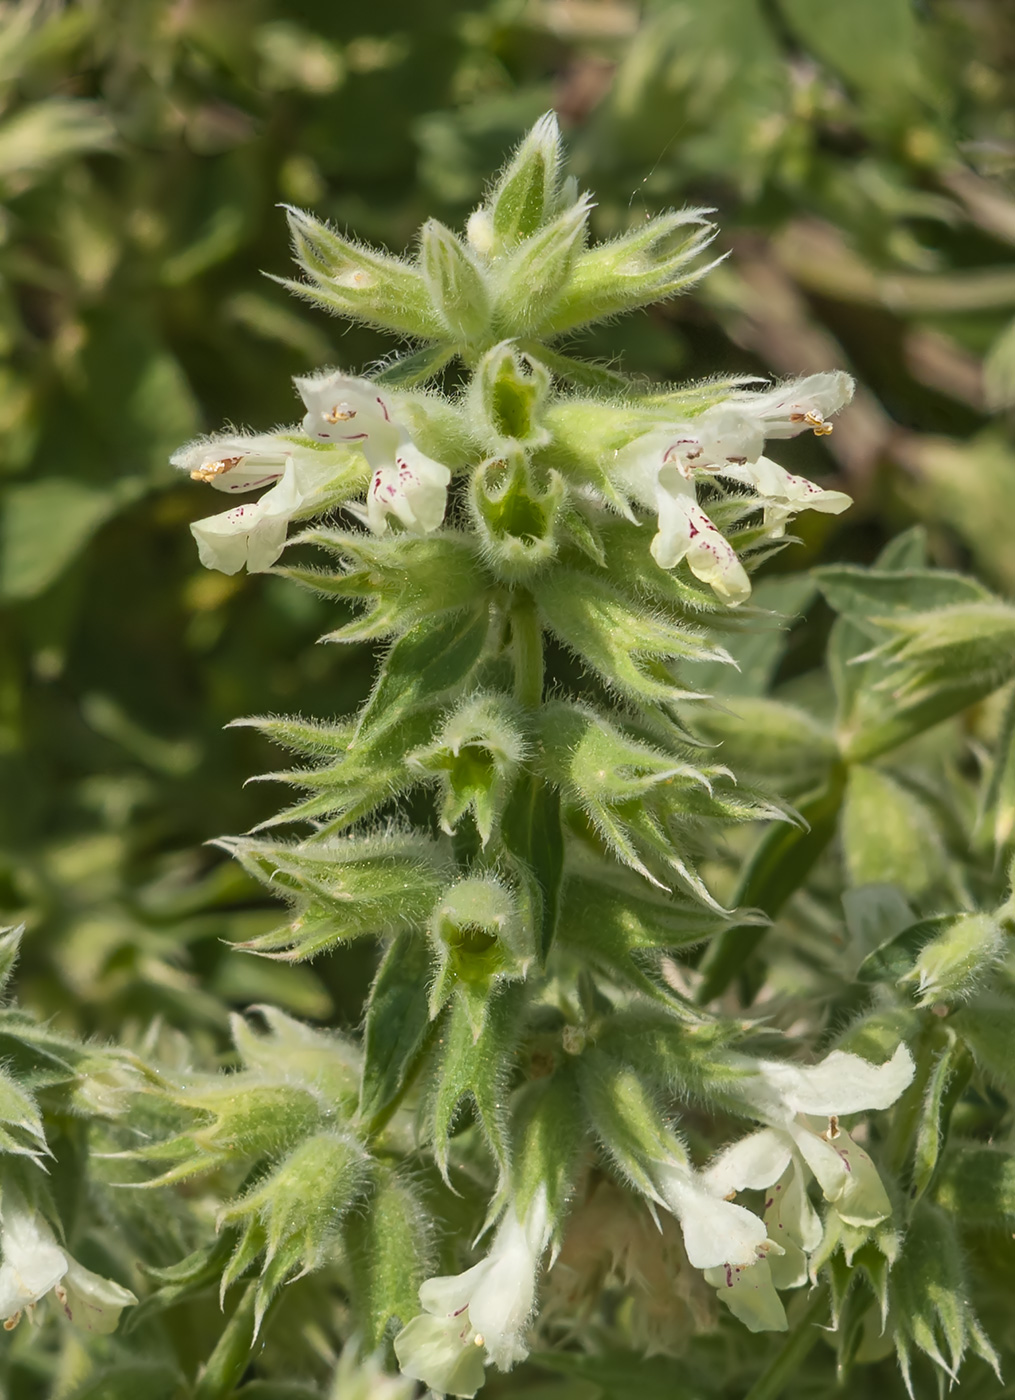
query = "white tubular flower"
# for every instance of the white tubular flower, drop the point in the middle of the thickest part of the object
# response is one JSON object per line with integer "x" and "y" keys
{"x": 685, "y": 531}
{"x": 777, "y": 1159}
{"x": 716, "y": 1232}
{"x": 658, "y": 470}
{"x": 480, "y": 1314}
{"x": 34, "y": 1264}
{"x": 406, "y": 483}
{"x": 91, "y": 1301}
{"x": 254, "y": 533}
{"x": 784, "y": 495}
{"x": 730, "y": 1244}
{"x": 789, "y": 1098}
{"x": 799, "y": 404}
{"x": 235, "y": 462}
{"x": 303, "y": 480}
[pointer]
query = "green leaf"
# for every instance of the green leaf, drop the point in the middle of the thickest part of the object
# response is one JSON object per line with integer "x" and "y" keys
{"x": 874, "y": 915}
{"x": 999, "y": 802}
{"x": 525, "y": 194}
{"x": 759, "y": 647}
{"x": 455, "y": 284}
{"x": 21, "y": 1130}
{"x": 361, "y": 283}
{"x": 550, "y": 1141}
{"x": 888, "y": 835}
{"x": 399, "y": 580}
{"x": 626, "y": 646}
{"x": 531, "y": 831}
{"x": 768, "y": 739}
{"x": 929, "y": 1294}
{"x": 10, "y": 946}
{"x": 953, "y": 1062}
{"x": 343, "y": 887}
{"x": 626, "y": 1118}
{"x": 870, "y": 598}
{"x": 432, "y": 658}
{"x": 977, "y": 1185}
{"x": 894, "y": 958}
{"x": 876, "y": 47}
{"x": 397, "y": 1022}
{"x": 987, "y": 1025}
{"x": 409, "y": 371}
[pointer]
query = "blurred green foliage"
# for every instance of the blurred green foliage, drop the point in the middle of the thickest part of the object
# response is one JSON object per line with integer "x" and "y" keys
{"x": 860, "y": 156}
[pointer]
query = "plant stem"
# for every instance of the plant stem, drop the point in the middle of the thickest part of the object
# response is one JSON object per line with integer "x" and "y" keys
{"x": 527, "y": 646}
{"x": 781, "y": 1371}
{"x": 228, "y": 1361}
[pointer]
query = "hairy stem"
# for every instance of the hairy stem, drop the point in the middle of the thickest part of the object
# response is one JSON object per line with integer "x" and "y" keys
{"x": 228, "y": 1361}
{"x": 527, "y": 650}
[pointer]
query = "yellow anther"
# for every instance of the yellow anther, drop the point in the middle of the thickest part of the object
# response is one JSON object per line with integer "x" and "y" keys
{"x": 340, "y": 414}
{"x": 213, "y": 469}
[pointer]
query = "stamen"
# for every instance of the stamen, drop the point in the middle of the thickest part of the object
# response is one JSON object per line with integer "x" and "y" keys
{"x": 815, "y": 422}
{"x": 213, "y": 469}
{"x": 833, "y": 1128}
{"x": 12, "y": 1322}
{"x": 341, "y": 413}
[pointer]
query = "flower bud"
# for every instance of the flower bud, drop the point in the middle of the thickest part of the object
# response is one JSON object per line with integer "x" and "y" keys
{"x": 509, "y": 395}
{"x": 360, "y": 282}
{"x": 950, "y": 966}
{"x": 644, "y": 266}
{"x": 532, "y": 280}
{"x": 515, "y": 519}
{"x": 292, "y": 1215}
{"x": 455, "y": 284}
{"x": 526, "y": 195}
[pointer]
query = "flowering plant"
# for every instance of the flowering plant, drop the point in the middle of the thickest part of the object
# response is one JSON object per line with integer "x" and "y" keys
{"x": 569, "y": 839}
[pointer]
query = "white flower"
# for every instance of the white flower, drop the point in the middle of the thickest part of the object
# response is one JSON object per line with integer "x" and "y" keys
{"x": 784, "y": 495}
{"x": 658, "y": 470}
{"x": 303, "y": 480}
{"x": 481, "y": 1313}
{"x": 406, "y": 483}
{"x": 34, "y": 1264}
{"x": 685, "y": 531}
{"x": 734, "y": 432}
{"x": 716, "y": 1232}
{"x": 789, "y": 1098}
